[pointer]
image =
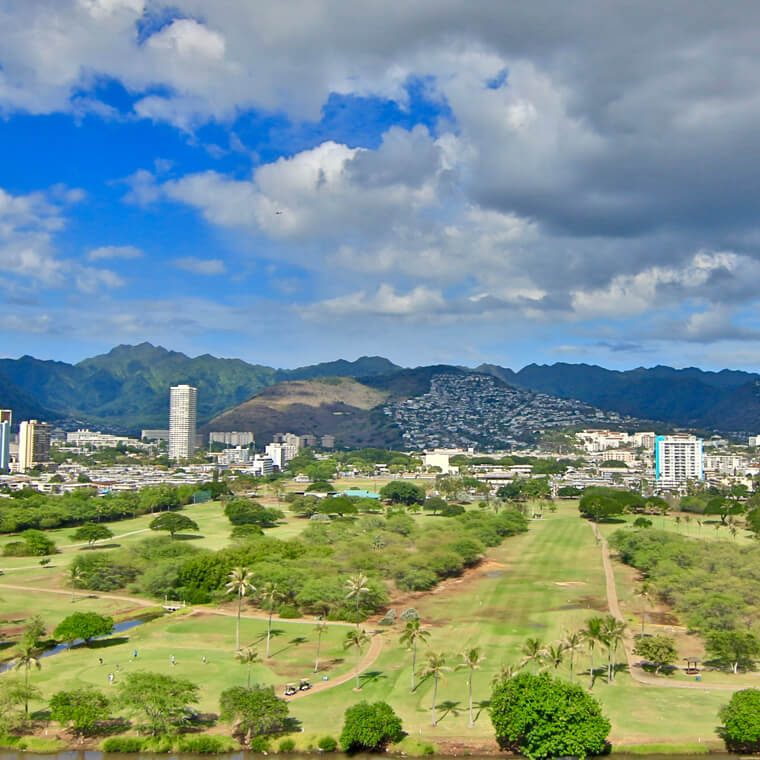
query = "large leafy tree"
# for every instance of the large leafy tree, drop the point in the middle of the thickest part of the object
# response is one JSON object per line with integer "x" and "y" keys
{"x": 163, "y": 701}
{"x": 15, "y": 696}
{"x": 253, "y": 711}
{"x": 539, "y": 716}
{"x": 83, "y": 625}
{"x": 370, "y": 728}
{"x": 741, "y": 722}
{"x": 173, "y": 522}
{"x": 660, "y": 650}
{"x": 91, "y": 532}
{"x": 736, "y": 649}
{"x": 400, "y": 492}
{"x": 413, "y": 634}
{"x": 81, "y": 709}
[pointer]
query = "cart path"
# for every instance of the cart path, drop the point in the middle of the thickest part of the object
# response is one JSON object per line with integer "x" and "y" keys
{"x": 375, "y": 648}
{"x": 638, "y": 674}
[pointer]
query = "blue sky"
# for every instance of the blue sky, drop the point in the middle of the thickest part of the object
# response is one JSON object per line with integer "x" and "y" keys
{"x": 301, "y": 181}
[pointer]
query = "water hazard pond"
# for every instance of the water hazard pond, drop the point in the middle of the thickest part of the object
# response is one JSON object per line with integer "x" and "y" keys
{"x": 125, "y": 625}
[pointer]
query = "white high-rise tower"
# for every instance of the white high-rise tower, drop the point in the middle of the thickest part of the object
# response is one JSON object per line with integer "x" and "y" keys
{"x": 183, "y": 402}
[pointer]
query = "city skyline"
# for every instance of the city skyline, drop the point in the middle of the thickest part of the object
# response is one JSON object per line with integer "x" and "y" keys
{"x": 444, "y": 183}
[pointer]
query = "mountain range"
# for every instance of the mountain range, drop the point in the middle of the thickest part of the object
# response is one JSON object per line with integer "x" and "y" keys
{"x": 126, "y": 389}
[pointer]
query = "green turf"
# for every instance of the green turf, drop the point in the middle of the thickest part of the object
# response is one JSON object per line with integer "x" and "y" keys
{"x": 538, "y": 584}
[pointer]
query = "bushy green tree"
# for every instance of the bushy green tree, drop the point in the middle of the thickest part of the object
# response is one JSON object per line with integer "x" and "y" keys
{"x": 91, "y": 532}
{"x": 401, "y": 492}
{"x": 163, "y": 701}
{"x": 741, "y": 722}
{"x": 660, "y": 650}
{"x": 253, "y": 711}
{"x": 370, "y": 728}
{"x": 83, "y": 625}
{"x": 81, "y": 709}
{"x": 539, "y": 716}
{"x": 173, "y": 522}
{"x": 734, "y": 649}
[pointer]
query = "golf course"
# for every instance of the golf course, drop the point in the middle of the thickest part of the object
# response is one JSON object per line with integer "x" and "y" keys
{"x": 541, "y": 584}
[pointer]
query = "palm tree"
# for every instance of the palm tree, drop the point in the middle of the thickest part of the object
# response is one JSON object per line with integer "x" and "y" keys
{"x": 612, "y": 635}
{"x": 240, "y": 584}
{"x": 645, "y": 592}
{"x": 357, "y": 585}
{"x": 270, "y": 596}
{"x": 505, "y": 672}
{"x": 411, "y": 635}
{"x": 319, "y": 628}
{"x": 248, "y": 657}
{"x": 74, "y": 575}
{"x": 555, "y": 653}
{"x": 436, "y": 666}
{"x": 592, "y": 635}
{"x": 533, "y": 651}
{"x": 572, "y": 643}
{"x": 356, "y": 638}
{"x": 27, "y": 658}
{"x": 471, "y": 660}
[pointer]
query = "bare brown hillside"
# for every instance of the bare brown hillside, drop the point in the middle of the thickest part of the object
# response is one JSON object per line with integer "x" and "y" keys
{"x": 342, "y": 407}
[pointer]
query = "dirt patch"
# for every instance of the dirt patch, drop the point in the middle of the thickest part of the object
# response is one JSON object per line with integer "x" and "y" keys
{"x": 593, "y": 603}
{"x": 662, "y": 617}
{"x": 401, "y": 600}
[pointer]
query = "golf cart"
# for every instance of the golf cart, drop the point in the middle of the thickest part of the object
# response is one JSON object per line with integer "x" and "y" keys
{"x": 290, "y": 689}
{"x": 304, "y": 685}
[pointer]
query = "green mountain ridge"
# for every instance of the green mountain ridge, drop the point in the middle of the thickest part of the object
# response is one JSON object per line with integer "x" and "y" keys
{"x": 126, "y": 389}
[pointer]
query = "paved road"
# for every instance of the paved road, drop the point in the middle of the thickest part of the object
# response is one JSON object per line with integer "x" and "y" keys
{"x": 638, "y": 674}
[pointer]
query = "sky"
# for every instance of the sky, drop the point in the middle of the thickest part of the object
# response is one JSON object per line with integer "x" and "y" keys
{"x": 436, "y": 181}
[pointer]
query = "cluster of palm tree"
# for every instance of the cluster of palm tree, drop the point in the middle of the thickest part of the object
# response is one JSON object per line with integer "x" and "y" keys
{"x": 435, "y": 664}
{"x": 599, "y": 632}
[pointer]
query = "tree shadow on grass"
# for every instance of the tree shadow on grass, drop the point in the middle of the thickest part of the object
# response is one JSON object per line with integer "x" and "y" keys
{"x": 484, "y": 704}
{"x": 104, "y": 643}
{"x": 187, "y": 537}
{"x": 371, "y": 676}
{"x": 99, "y": 546}
{"x": 448, "y": 707}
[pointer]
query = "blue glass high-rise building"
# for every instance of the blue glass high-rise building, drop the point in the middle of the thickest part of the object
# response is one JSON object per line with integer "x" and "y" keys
{"x": 5, "y": 438}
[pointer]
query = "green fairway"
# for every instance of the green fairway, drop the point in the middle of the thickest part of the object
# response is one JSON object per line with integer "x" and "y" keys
{"x": 539, "y": 584}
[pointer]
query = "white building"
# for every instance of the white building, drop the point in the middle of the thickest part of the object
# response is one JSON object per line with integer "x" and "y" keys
{"x": 238, "y": 455}
{"x": 262, "y": 465}
{"x": 154, "y": 435}
{"x": 96, "y": 439}
{"x": 183, "y": 405}
{"x": 754, "y": 440}
{"x": 601, "y": 440}
{"x": 232, "y": 438}
{"x": 5, "y": 439}
{"x": 678, "y": 459}
{"x": 281, "y": 453}
{"x": 33, "y": 444}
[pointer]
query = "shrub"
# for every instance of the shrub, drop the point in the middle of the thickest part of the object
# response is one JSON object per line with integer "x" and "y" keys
{"x": 370, "y": 728}
{"x": 741, "y": 722}
{"x": 259, "y": 744}
{"x": 289, "y": 611}
{"x": 287, "y": 745}
{"x": 122, "y": 744}
{"x": 409, "y": 614}
{"x": 160, "y": 743}
{"x": 206, "y": 744}
{"x": 327, "y": 744}
{"x": 540, "y": 716}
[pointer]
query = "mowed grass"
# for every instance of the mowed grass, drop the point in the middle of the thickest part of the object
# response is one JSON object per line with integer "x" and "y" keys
{"x": 539, "y": 584}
